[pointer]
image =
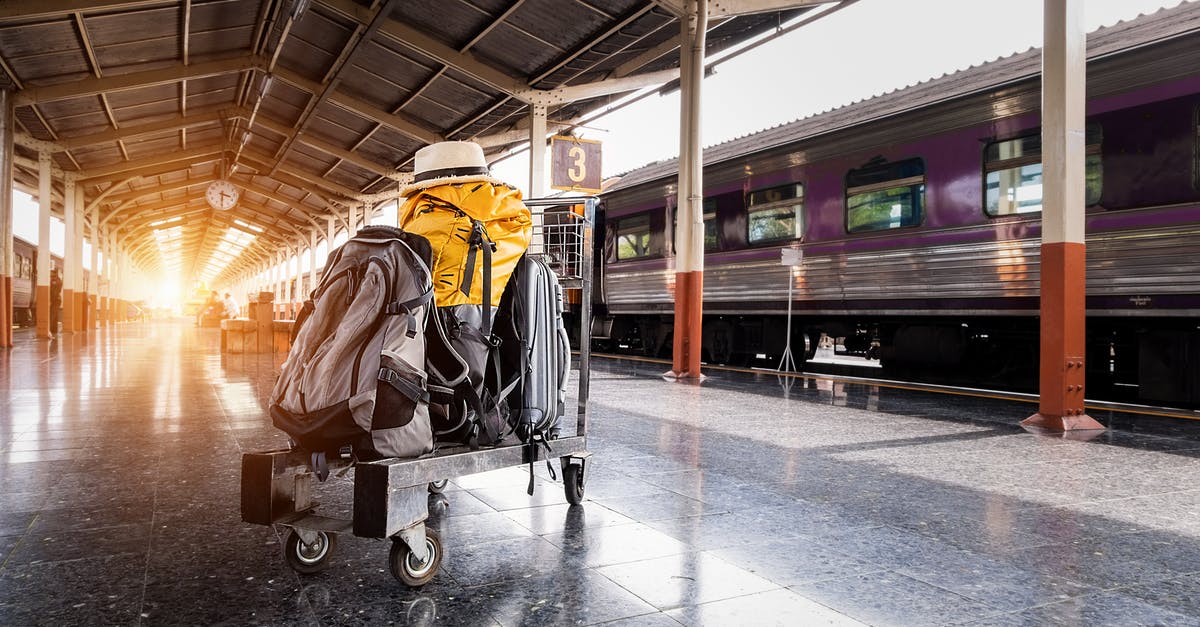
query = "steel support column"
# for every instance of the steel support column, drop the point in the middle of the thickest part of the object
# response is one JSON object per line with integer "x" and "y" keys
{"x": 1063, "y": 304}
{"x": 537, "y": 151}
{"x": 72, "y": 266}
{"x": 42, "y": 294}
{"x": 94, "y": 272}
{"x": 7, "y": 134}
{"x": 312, "y": 265}
{"x": 79, "y": 312}
{"x": 689, "y": 223}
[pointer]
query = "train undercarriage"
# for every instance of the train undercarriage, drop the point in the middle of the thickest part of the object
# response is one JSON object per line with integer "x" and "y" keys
{"x": 1130, "y": 360}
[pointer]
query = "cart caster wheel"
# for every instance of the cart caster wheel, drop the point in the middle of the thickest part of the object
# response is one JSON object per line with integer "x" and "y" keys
{"x": 437, "y": 487}
{"x": 573, "y": 483}
{"x": 309, "y": 558}
{"x": 408, "y": 569}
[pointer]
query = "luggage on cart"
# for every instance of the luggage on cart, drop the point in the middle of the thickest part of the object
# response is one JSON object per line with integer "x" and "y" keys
{"x": 534, "y": 352}
{"x": 355, "y": 375}
{"x": 478, "y": 229}
{"x": 390, "y": 495}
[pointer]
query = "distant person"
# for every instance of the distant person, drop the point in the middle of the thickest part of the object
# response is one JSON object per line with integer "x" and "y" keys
{"x": 232, "y": 310}
{"x": 211, "y": 307}
{"x": 55, "y": 300}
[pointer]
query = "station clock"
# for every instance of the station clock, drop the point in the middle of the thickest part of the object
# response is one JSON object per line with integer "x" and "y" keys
{"x": 221, "y": 195}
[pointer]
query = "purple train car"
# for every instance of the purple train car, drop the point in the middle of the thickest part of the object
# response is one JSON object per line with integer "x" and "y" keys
{"x": 918, "y": 217}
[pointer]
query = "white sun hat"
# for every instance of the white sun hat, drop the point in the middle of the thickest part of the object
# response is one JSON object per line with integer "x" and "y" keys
{"x": 447, "y": 163}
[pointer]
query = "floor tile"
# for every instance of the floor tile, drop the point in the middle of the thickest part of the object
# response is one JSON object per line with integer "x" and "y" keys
{"x": 685, "y": 579}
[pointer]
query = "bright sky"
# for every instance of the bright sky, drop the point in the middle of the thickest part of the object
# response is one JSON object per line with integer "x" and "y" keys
{"x": 869, "y": 48}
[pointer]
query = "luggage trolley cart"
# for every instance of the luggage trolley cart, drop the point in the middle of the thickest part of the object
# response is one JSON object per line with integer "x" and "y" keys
{"x": 391, "y": 495}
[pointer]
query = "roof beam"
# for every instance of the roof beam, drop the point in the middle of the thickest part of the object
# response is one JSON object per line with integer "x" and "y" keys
{"x": 168, "y": 75}
{"x": 572, "y": 93}
{"x": 333, "y": 76}
{"x": 172, "y": 124}
{"x": 263, "y": 162}
{"x": 674, "y": 6}
{"x": 191, "y": 156}
{"x": 40, "y": 10}
{"x": 749, "y": 7}
{"x": 359, "y": 107}
{"x": 160, "y": 189}
{"x": 332, "y": 150}
{"x": 428, "y": 46}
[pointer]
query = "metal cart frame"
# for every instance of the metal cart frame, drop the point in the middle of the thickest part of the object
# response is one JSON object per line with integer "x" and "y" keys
{"x": 390, "y": 494}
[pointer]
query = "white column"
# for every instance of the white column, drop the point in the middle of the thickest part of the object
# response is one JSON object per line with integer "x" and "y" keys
{"x": 689, "y": 227}
{"x": 352, "y": 220}
{"x": 537, "y": 150}
{"x": 94, "y": 273}
{"x": 7, "y": 148}
{"x": 43, "y": 252}
{"x": 312, "y": 262}
{"x": 1063, "y": 259}
{"x": 72, "y": 264}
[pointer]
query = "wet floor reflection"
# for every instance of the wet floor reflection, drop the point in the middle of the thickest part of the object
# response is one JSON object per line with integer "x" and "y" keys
{"x": 749, "y": 499}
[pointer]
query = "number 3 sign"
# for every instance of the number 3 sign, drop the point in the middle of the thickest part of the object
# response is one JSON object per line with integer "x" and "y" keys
{"x": 575, "y": 164}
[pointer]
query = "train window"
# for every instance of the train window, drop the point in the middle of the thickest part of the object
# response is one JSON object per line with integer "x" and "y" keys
{"x": 633, "y": 237}
{"x": 775, "y": 214}
{"x": 712, "y": 240}
{"x": 1013, "y": 173}
{"x": 883, "y": 196}
{"x": 1196, "y": 148}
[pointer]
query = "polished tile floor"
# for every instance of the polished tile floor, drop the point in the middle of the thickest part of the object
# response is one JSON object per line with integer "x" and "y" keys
{"x": 750, "y": 500}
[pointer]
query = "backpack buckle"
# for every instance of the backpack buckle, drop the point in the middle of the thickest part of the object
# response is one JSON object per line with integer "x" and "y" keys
{"x": 387, "y": 375}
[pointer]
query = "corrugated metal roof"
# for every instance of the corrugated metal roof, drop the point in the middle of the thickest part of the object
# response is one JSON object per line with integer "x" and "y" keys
{"x": 1162, "y": 25}
{"x": 314, "y": 106}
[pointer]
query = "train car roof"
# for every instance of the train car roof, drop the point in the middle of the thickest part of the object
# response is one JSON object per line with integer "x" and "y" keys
{"x": 1160, "y": 26}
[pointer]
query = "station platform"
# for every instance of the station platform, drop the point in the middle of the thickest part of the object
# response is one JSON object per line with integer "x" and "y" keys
{"x": 752, "y": 499}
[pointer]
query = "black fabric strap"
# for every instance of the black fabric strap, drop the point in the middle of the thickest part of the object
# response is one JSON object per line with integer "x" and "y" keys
{"x": 469, "y": 271}
{"x": 487, "y": 282}
{"x": 442, "y": 173}
{"x": 398, "y": 307}
{"x": 402, "y": 385}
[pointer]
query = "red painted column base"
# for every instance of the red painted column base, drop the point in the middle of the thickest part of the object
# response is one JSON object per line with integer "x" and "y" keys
{"x": 1062, "y": 370}
{"x": 1078, "y": 422}
{"x": 6, "y": 312}
{"x": 43, "y": 311}
{"x": 689, "y": 313}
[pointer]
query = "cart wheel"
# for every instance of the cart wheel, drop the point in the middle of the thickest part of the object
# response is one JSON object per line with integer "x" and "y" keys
{"x": 437, "y": 487}
{"x": 408, "y": 569}
{"x": 573, "y": 483}
{"x": 309, "y": 558}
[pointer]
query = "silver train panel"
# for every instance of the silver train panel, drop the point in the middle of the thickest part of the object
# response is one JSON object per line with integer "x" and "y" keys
{"x": 1161, "y": 261}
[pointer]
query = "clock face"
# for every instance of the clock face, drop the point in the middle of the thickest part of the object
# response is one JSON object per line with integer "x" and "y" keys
{"x": 221, "y": 195}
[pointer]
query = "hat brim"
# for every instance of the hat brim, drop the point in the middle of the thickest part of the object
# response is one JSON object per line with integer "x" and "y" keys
{"x": 411, "y": 188}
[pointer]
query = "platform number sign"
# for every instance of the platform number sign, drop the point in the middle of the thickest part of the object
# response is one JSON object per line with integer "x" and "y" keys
{"x": 575, "y": 164}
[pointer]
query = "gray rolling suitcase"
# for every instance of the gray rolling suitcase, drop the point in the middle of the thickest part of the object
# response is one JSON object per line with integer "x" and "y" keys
{"x": 534, "y": 352}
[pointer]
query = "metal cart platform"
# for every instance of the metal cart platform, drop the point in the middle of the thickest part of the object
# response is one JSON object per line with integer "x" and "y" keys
{"x": 390, "y": 495}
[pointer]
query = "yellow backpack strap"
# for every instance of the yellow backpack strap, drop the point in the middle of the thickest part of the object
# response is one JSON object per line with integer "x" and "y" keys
{"x": 479, "y": 240}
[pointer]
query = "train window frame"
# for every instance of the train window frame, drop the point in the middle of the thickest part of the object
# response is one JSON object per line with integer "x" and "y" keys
{"x": 643, "y": 229}
{"x": 795, "y": 202}
{"x": 712, "y": 245}
{"x": 1196, "y": 148}
{"x": 915, "y": 184}
{"x": 1093, "y": 170}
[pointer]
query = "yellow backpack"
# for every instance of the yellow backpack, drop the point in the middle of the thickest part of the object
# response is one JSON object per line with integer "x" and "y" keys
{"x": 476, "y": 229}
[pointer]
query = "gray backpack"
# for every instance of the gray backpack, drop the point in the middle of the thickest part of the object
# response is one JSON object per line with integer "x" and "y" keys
{"x": 355, "y": 375}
